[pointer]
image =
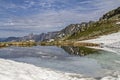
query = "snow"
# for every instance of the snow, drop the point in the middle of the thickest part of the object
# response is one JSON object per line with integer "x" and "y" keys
{"x": 11, "y": 70}
{"x": 105, "y": 49}
{"x": 108, "y": 41}
{"x": 109, "y": 78}
{"x": 118, "y": 23}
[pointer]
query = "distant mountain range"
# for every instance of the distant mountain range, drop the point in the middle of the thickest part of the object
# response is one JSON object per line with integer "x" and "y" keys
{"x": 2, "y": 39}
{"x": 84, "y": 30}
{"x": 69, "y": 30}
{"x": 40, "y": 37}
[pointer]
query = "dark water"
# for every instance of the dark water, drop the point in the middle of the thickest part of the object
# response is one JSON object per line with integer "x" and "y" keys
{"x": 97, "y": 64}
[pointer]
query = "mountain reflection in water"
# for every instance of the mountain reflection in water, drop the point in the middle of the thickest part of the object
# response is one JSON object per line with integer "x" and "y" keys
{"x": 91, "y": 63}
{"x": 81, "y": 51}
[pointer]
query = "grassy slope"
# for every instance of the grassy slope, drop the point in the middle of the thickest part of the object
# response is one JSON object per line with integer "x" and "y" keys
{"x": 97, "y": 29}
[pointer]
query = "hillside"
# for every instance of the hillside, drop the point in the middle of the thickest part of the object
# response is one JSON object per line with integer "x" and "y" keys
{"x": 114, "y": 14}
{"x": 73, "y": 28}
{"x": 109, "y": 23}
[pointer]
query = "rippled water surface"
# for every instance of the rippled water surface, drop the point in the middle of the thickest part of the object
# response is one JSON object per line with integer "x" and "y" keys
{"x": 98, "y": 64}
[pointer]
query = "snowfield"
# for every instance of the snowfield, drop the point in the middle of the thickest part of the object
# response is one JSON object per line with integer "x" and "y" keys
{"x": 106, "y": 39}
{"x": 11, "y": 70}
{"x": 110, "y": 42}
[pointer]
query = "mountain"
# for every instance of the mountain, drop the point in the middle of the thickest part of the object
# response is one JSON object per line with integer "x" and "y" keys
{"x": 2, "y": 39}
{"x": 107, "y": 24}
{"x": 31, "y": 36}
{"x": 10, "y": 39}
{"x": 50, "y": 35}
{"x": 74, "y": 28}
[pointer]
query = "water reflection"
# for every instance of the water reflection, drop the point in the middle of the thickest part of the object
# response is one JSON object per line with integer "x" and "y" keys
{"x": 81, "y": 51}
{"x": 56, "y": 58}
{"x": 51, "y": 57}
{"x": 107, "y": 60}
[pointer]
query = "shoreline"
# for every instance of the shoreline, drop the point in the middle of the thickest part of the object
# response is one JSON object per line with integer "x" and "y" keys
{"x": 11, "y": 67}
{"x": 106, "y": 41}
{"x": 104, "y": 49}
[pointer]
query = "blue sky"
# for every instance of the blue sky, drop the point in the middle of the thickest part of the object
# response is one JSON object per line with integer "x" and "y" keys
{"x": 21, "y": 17}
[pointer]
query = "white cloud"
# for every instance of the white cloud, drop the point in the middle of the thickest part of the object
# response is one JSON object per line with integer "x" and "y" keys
{"x": 51, "y": 19}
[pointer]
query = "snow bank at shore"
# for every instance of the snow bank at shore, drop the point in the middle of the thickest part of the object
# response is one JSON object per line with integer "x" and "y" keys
{"x": 110, "y": 42}
{"x": 11, "y": 70}
{"x": 106, "y": 39}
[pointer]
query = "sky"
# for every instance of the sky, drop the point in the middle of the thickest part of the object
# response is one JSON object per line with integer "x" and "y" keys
{"x": 21, "y": 17}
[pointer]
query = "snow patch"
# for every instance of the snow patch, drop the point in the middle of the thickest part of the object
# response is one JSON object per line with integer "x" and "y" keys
{"x": 109, "y": 41}
{"x": 11, "y": 70}
{"x": 118, "y": 23}
{"x": 106, "y": 39}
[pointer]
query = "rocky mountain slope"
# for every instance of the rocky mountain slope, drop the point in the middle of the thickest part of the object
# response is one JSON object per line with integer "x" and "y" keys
{"x": 114, "y": 14}
{"x": 73, "y": 28}
{"x": 109, "y": 23}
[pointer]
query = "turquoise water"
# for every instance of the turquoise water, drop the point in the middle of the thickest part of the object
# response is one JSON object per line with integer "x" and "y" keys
{"x": 98, "y": 64}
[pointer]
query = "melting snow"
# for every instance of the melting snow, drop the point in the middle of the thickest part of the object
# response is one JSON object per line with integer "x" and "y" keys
{"x": 106, "y": 39}
{"x": 11, "y": 70}
{"x": 109, "y": 41}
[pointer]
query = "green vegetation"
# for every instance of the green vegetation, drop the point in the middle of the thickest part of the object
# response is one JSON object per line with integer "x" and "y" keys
{"x": 97, "y": 29}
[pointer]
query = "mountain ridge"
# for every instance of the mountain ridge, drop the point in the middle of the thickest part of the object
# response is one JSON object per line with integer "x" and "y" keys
{"x": 108, "y": 23}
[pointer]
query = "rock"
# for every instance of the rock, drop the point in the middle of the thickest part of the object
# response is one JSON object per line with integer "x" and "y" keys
{"x": 72, "y": 29}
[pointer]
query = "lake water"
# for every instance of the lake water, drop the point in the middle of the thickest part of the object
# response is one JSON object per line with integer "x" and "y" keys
{"x": 99, "y": 64}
